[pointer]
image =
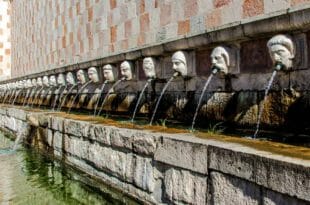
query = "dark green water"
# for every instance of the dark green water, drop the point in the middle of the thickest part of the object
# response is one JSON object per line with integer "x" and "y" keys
{"x": 27, "y": 177}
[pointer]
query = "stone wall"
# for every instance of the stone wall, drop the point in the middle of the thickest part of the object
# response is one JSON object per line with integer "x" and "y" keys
{"x": 166, "y": 168}
{"x": 5, "y": 40}
{"x": 53, "y": 34}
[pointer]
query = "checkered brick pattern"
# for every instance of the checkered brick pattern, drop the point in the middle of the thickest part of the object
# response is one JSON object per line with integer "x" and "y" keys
{"x": 5, "y": 40}
{"x": 53, "y": 33}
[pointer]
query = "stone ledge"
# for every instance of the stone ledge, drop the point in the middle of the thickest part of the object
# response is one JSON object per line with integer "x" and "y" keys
{"x": 179, "y": 153}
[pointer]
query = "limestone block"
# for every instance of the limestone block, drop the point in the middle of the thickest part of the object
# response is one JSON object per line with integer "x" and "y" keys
{"x": 58, "y": 140}
{"x": 228, "y": 190}
{"x": 100, "y": 134}
{"x": 182, "y": 186}
{"x": 76, "y": 128}
{"x": 143, "y": 174}
{"x": 50, "y": 137}
{"x": 2, "y": 111}
{"x": 188, "y": 155}
{"x": 274, "y": 198}
{"x": 144, "y": 143}
{"x": 56, "y": 123}
{"x": 17, "y": 113}
{"x": 280, "y": 175}
{"x": 121, "y": 138}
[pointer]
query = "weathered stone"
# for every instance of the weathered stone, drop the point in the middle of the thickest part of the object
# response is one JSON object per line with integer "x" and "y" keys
{"x": 56, "y": 123}
{"x": 233, "y": 190}
{"x": 121, "y": 138}
{"x": 274, "y": 198}
{"x": 76, "y": 128}
{"x": 100, "y": 134}
{"x": 183, "y": 154}
{"x": 185, "y": 187}
{"x": 144, "y": 143}
{"x": 248, "y": 164}
{"x": 58, "y": 140}
{"x": 17, "y": 113}
{"x": 50, "y": 140}
{"x": 143, "y": 174}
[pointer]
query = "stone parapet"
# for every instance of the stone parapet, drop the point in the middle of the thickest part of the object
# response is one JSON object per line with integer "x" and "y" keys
{"x": 164, "y": 168}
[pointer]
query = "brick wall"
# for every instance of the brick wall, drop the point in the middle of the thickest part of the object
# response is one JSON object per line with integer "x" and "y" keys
{"x": 54, "y": 33}
{"x": 5, "y": 40}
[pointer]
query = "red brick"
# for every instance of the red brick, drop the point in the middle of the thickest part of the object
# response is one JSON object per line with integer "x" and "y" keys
{"x": 142, "y": 6}
{"x": 144, "y": 22}
{"x": 113, "y": 33}
{"x": 7, "y": 52}
{"x": 128, "y": 27}
{"x": 1, "y": 45}
{"x": 112, "y": 4}
{"x": 1, "y": 58}
{"x": 252, "y": 8}
{"x": 183, "y": 27}
{"x": 8, "y": 25}
{"x": 90, "y": 14}
{"x": 90, "y": 43}
{"x": 190, "y": 8}
{"x": 78, "y": 8}
{"x": 141, "y": 39}
{"x": 165, "y": 14}
{"x": 81, "y": 47}
{"x": 87, "y": 3}
{"x": 214, "y": 18}
{"x": 56, "y": 22}
{"x": 63, "y": 42}
{"x": 70, "y": 13}
{"x": 220, "y": 3}
{"x": 295, "y": 2}
{"x": 71, "y": 38}
{"x": 125, "y": 44}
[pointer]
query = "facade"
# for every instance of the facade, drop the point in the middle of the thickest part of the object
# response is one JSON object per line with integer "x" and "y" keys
{"x": 5, "y": 40}
{"x": 55, "y": 33}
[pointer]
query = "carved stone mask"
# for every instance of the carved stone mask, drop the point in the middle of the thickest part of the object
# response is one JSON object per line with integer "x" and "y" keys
{"x": 45, "y": 81}
{"x": 61, "y": 79}
{"x": 126, "y": 70}
{"x": 179, "y": 63}
{"x": 93, "y": 74}
{"x": 53, "y": 80}
{"x": 39, "y": 81}
{"x": 34, "y": 82}
{"x": 108, "y": 73}
{"x": 281, "y": 50}
{"x": 70, "y": 79}
{"x": 80, "y": 76}
{"x": 220, "y": 59}
{"x": 149, "y": 65}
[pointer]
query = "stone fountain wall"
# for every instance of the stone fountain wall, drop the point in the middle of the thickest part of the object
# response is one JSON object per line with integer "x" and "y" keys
{"x": 165, "y": 168}
{"x": 83, "y": 35}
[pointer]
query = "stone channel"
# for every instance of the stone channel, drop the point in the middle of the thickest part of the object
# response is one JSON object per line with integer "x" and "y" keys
{"x": 164, "y": 168}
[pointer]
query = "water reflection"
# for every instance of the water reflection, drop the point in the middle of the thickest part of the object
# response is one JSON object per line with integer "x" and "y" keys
{"x": 30, "y": 178}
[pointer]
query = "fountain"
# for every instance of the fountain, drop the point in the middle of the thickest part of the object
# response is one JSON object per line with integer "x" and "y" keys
{"x": 19, "y": 91}
{"x": 220, "y": 61}
{"x": 109, "y": 74}
{"x": 34, "y": 87}
{"x": 45, "y": 89}
{"x": 180, "y": 67}
{"x": 282, "y": 52}
{"x": 28, "y": 86}
{"x": 127, "y": 74}
{"x": 82, "y": 82}
{"x": 93, "y": 89}
{"x": 71, "y": 84}
{"x": 149, "y": 65}
{"x": 59, "y": 91}
{"x": 37, "y": 91}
